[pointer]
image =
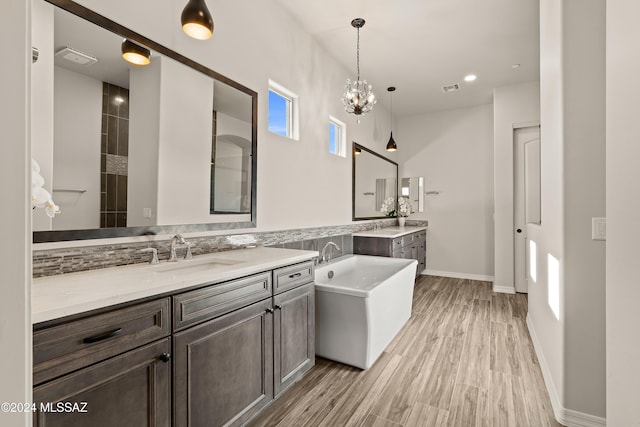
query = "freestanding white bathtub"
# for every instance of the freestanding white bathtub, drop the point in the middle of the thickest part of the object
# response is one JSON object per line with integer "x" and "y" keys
{"x": 361, "y": 304}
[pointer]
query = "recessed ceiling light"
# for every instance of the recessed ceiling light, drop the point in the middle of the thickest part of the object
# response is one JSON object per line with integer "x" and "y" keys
{"x": 470, "y": 77}
{"x": 515, "y": 66}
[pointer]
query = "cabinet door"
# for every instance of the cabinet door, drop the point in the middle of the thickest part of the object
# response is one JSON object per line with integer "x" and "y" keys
{"x": 422, "y": 254}
{"x": 223, "y": 369}
{"x": 132, "y": 389}
{"x": 293, "y": 335}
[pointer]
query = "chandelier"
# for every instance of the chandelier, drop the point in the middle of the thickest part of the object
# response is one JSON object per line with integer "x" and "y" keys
{"x": 358, "y": 97}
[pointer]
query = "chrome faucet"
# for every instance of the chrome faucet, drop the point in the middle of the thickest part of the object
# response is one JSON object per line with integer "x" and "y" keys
{"x": 176, "y": 240}
{"x": 323, "y": 256}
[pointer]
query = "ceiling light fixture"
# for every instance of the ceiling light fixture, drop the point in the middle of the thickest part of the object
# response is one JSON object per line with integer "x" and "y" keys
{"x": 470, "y": 77}
{"x": 391, "y": 145}
{"x": 358, "y": 97}
{"x": 135, "y": 54}
{"x": 196, "y": 20}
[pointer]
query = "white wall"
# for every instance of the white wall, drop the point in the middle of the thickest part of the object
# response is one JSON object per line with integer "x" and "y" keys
{"x": 144, "y": 128}
{"x": 42, "y": 102}
{"x": 300, "y": 184}
{"x": 584, "y": 199}
{"x": 623, "y": 211}
{"x": 571, "y": 343}
{"x": 453, "y": 150}
{"x": 76, "y": 149}
{"x": 515, "y": 104}
{"x": 15, "y": 227}
{"x": 184, "y": 145}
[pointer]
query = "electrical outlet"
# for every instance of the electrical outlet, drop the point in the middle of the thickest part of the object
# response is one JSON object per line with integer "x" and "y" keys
{"x": 146, "y": 212}
{"x": 598, "y": 228}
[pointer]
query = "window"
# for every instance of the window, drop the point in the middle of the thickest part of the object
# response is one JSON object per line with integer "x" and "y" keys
{"x": 283, "y": 108}
{"x": 337, "y": 137}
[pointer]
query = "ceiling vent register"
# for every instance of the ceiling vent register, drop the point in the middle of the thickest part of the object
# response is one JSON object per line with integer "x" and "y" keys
{"x": 74, "y": 55}
{"x": 451, "y": 88}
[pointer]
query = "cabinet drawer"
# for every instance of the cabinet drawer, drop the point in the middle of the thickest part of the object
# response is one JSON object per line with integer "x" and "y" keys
{"x": 409, "y": 239}
{"x": 396, "y": 244}
{"x": 204, "y": 304}
{"x": 67, "y": 347}
{"x": 292, "y": 276}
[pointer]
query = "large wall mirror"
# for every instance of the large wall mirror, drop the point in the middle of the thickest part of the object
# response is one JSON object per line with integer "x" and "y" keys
{"x": 131, "y": 150}
{"x": 375, "y": 178}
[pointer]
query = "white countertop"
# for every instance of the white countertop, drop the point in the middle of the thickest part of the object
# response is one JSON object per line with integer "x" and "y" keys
{"x": 390, "y": 232}
{"x": 67, "y": 294}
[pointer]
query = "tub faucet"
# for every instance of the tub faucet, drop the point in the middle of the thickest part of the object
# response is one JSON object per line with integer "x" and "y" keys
{"x": 323, "y": 256}
{"x": 176, "y": 240}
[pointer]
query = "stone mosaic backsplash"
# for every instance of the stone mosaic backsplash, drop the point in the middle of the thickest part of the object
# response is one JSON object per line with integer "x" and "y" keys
{"x": 51, "y": 262}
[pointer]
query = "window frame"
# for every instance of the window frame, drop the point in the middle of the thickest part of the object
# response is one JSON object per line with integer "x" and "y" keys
{"x": 291, "y": 113}
{"x": 341, "y": 137}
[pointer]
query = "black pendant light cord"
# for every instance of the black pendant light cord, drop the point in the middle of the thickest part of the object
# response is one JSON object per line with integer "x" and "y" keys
{"x": 391, "y": 112}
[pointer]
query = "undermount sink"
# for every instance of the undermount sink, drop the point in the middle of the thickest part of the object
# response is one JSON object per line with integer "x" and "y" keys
{"x": 193, "y": 265}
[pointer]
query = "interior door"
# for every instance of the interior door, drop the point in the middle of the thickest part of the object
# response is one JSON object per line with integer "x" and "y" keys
{"x": 526, "y": 198}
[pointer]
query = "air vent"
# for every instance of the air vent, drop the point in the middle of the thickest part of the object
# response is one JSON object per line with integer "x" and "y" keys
{"x": 451, "y": 88}
{"x": 74, "y": 55}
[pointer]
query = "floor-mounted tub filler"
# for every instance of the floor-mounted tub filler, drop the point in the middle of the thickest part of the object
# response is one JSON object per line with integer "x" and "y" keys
{"x": 362, "y": 302}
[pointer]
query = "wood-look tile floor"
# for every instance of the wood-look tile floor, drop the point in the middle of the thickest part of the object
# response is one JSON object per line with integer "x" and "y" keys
{"x": 464, "y": 358}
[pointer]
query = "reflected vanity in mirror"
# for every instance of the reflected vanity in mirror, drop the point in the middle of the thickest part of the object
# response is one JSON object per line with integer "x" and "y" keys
{"x": 413, "y": 189}
{"x": 156, "y": 149}
{"x": 374, "y": 178}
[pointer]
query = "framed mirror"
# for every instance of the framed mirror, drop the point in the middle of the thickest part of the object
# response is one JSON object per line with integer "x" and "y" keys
{"x": 156, "y": 149}
{"x": 413, "y": 189}
{"x": 374, "y": 179}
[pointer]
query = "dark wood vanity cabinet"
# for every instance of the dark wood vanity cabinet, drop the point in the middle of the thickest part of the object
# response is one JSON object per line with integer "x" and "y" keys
{"x": 214, "y": 356}
{"x": 230, "y": 367}
{"x": 408, "y": 246}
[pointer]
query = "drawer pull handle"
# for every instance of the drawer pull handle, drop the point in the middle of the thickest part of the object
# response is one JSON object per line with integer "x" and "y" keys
{"x": 269, "y": 310}
{"x": 165, "y": 357}
{"x": 293, "y": 276}
{"x": 278, "y": 307}
{"x": 102, "y": 337}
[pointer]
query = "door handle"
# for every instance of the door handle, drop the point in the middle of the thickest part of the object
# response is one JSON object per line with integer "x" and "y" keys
{"x": 519, "y": 230}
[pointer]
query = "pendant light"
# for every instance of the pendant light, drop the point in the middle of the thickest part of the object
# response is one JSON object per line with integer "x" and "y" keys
{"x": 135, "y": 54}
{"x": 358, "y": 97}
{"x": 391, "y": 145}
{"x": 196, "y": 20}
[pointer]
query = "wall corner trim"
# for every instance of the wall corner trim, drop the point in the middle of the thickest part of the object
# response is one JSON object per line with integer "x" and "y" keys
{"x": 564, "y": 416}
{"x": 455, "y": 275}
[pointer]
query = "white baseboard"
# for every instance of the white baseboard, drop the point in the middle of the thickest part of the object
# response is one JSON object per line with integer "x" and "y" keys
{"x": 504, "y": 289}
{"x": 458, "y": 275}
{"x": 564, "y": 416}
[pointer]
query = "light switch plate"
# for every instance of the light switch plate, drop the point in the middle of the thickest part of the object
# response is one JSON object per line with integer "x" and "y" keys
{"x": 598, "y": 228}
